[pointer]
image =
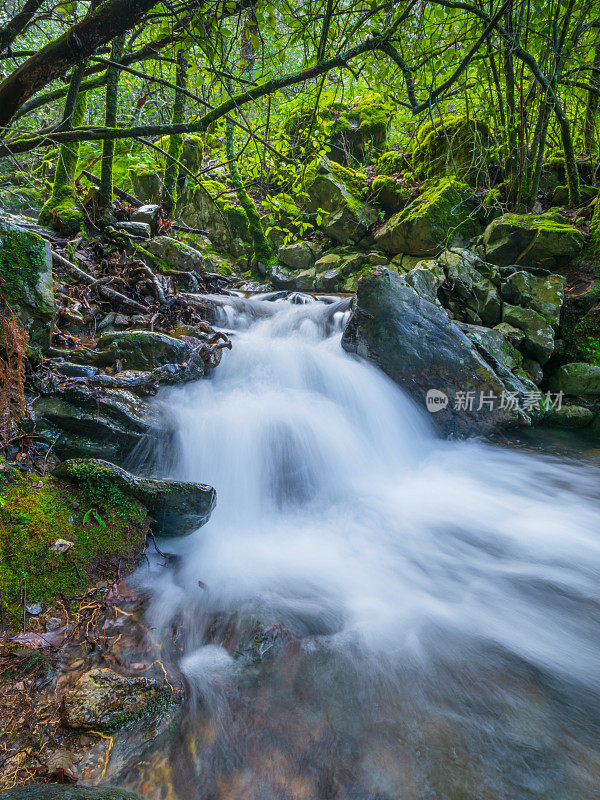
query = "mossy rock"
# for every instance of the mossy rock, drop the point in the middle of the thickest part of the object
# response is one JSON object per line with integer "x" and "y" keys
{"x": 64, "y": 213}
{"x": 143, "y": 350}
{"x": 577, "y": 379}
{"x": 26, "y": 274}
{"x": 538, "y": 240}
{"x": 178, "y": 507}
{"x": 392, "y": 162}
{"x": 106, "y": 528}
{"x": 191, "y": 156}
{"x": 544, "y": 294}
{"x": 146, "y": 185}
{"x": 210, "y": 206}
{"x": 572, "y": 417}
{"x": 454, "y": 146}
{"x": 175, "y": 255}
{"x": 560, "y": 195}
{"x": 391, "y": 193}
{"x": 424, "y": 227}
{"x": 539, "y": 335}
{"x": 104, "y": 700}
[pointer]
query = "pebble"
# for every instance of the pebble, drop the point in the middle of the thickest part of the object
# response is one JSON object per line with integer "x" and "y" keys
{"x": 53, "y": 624}
{"x": 34, "y": 609}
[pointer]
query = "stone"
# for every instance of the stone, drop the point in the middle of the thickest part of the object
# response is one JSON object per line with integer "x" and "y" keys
{"x": 63, "y": 791}
{"x": 577, "y": 379}
{"x": 533, "y": 369}
{"x": 328, "y": 261}
{"x": 352, "y": 262}
{"x": 453, "y": 146}
{"x": 328, "y": 280}
{"x": 572, "y": 417}
{"x": 425, "y": 225}
{"x": 26, "y": 271}
{"x": 417, "y": 345}
{"x": 143, "y": 350}
{"x": 104, "y": 700}
{"x": 177, "y": 255}
{"x": 543, "y": 240}
{"x": 208, "y": 206}
{"x": 298, "y": 255}
{"x": 391, "y": 193}
{"x": 179, "y": 508}
{"x": 282, "y": 278}
{"x": 304, "y": 281}
{"x": 514, "y": 335}
{"x": 539, "y": 336}
{"x": 349, "y": 224}
{"x": 376, "y": 259}
{"x": 140, "y": 230}
{"x": 544, "y": 294}
{"x": 148, "y": 214}
{"x": 146, "y": 185}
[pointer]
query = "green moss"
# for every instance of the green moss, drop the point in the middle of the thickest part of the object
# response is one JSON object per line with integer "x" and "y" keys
{"x": 582, "y": 343}
{"x": 22, "y": 257}
{"x": 355, "y": 182}
{"x": 104, "y": 526}
{"x": 595, "y": 229}
{"x": 391, "y": 162}
{"x": 452, "y": 146}
{"x": 391, "y": 193}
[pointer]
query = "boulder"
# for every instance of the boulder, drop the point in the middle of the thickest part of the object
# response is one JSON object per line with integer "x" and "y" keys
{"x": 143, "y": 350}
{"x": 146, "y": 185}
{"x": 179, "y": 508}
{"x": 455, "y": 146}
{"x": 26, "y": 272}
{"x": 350, "y": 224}
{"x": 539, "y": 336}
{"x": 96, "y": 423}
{"x": 577, "y": 379}
{"x": 571, "y": 417}
{"x": 298, "y": 255}
{"x": 138, "y": 230}
{"x": 391, "y": 193}
{"x": 328, "y": 280}
{"x": 414, "y": 342}
{"x": 543, "y": 240}
{"x": 177, "y": 255}
{"x": 104, "y": 700}
{"x": 208, "y": 206}
{"x": 543, "y": 294}
{"x": 428, "y": 222}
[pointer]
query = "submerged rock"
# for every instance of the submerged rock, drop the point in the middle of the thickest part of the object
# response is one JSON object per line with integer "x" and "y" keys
{"x": 178, "y": 507}
{"x": 102, "y": 700}
{"x": 26, "y": 273}
{"x": 414, "y": 342}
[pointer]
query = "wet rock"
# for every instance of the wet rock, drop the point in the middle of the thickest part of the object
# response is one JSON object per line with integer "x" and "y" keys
{"x": 414, "y": 342}
{"x": 143, "y": 350}
{"x": 178, "y": 507}
{"x": 544, "y": 294}
{"x": 328, "y": 280}
{"x": 298, "y": 255}
{"x": 539, "y": 336}
{"x": 26, "y": 272}
{"x": 141, "y": 230}
{"x": 543, "y": 240}
{"x": 103, "y": 700}
{"x": 572, "y": 417}
{"x": 533, "y": 369}
{"x": 423, "y": 227}
{"x": 577, "y": 379}
{"x": 178, "y": 254}
{"x": 350, "y": 223}
{"x": 53, "y": 791}
{"x": 148, "y": 214}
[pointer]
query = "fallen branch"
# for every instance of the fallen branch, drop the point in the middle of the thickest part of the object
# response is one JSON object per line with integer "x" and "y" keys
{"x": 133, "y": 201}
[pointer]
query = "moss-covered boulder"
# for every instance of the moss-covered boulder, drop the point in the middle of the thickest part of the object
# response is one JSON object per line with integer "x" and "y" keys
{"x": 429, "y": 222}
{"x": 173, "y": 254}
{"x": 572, "y": 417}
{"x": 392, "y": 162}
{"x": 454, "y": 146}
{"x": 298, "y": 255}
{"x": 539, "y": 240}
{"x": 391, "y": 193}
{"x": 104, "y": 700}
{"x": 107, "y": 531}
{"x": 543, "y": 294}
{"x": 146, "y": 184}
{"x": 337, "y": 201}
{"x": 144, "y": 350}
{"x": 26, "y": 275}
{"x": 560, "y": 195}
{"x": 360, "y": 130}
{"x": 577, "y": 379}
{"x": 539, "y": 335}
{"x": 212, "y": 206}
{"x": 470, "y": 291}
{"x": 413, "y": 341}
{"x": 178, "y": 507}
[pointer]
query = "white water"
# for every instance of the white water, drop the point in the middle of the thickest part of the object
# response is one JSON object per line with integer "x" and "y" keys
{"x": 340, "y": 513}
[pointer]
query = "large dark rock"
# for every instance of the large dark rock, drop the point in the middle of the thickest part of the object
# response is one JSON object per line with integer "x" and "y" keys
{"x": 414, "y": 342}
{"x": 178, "y": 507}
{"x": 53, "y": 791}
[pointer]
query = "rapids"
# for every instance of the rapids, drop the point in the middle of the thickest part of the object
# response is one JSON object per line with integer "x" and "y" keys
{"x": 371, "y": 612}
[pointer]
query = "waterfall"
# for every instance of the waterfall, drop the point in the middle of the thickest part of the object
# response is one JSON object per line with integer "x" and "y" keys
{"x": 428, "y": 588}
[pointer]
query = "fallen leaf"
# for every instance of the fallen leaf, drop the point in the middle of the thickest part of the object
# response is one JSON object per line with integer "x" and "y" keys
{"x": 35, "y": 641}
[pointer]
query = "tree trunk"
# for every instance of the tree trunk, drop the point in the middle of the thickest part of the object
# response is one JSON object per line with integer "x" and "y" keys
{"x": 105, "y": 194}
{"x": 175, "y": 148}
{"x": 591, "y": 110}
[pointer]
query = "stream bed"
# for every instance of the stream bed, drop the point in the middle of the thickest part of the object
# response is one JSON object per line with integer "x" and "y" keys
{"x": 371, "y": 613}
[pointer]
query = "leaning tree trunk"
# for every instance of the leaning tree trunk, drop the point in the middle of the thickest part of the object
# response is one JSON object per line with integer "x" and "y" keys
{"x": 62, "y": 209}
{"x": 105, "y": 194}
{"x": 591, "y": 110}
{"x": 169, "y": 191}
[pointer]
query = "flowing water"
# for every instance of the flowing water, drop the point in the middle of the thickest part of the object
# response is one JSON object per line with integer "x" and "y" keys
{"x": 371, "y": 612}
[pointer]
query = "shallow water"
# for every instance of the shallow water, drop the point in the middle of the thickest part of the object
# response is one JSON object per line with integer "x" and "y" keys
{"x": 371, "y": 612}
